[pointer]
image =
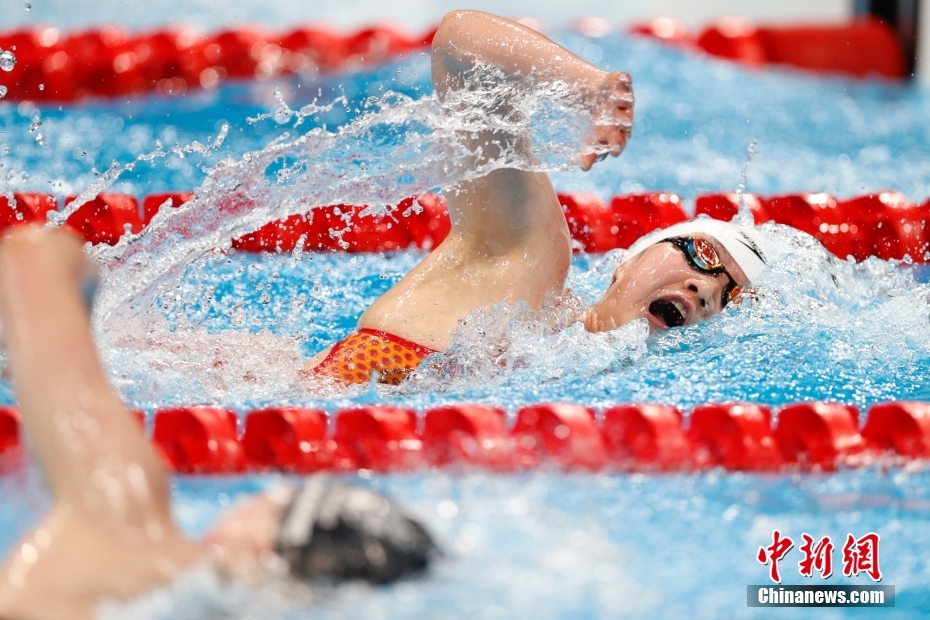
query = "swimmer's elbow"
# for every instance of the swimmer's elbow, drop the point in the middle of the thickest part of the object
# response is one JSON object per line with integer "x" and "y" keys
{"x": 454, "y": 47}
{"x": 459, "y": 34}
{"x": 452, "y": 27}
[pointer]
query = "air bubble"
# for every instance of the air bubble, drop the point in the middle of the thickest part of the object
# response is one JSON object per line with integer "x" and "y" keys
{"x": 7, "y": 60}
{"x": 28, "y": 6}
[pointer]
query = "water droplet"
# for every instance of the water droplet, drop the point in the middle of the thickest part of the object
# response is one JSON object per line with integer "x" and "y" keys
{"x": 7, "y": 60}
{"x": 2, "y": 91}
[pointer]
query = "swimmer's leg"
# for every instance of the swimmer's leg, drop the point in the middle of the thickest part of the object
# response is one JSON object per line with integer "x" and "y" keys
{"x": 110, "y": 532}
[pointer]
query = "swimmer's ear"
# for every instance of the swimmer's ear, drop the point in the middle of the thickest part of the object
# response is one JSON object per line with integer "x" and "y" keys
{"x": 618, "y": 271}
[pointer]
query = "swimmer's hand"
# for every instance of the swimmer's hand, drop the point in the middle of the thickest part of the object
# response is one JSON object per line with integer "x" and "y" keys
{"x": 612, "y": 112}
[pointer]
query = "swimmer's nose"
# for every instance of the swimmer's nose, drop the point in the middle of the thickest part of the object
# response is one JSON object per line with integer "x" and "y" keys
{"x": 702, "y": 293}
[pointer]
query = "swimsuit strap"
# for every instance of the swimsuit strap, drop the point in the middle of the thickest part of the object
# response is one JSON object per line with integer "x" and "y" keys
{"x": 363, "y": 352}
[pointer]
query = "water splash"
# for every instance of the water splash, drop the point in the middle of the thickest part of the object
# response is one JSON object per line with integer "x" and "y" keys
{"x": 7, "y": 60}
{"x": 744, "y": 215}
{"x": 500, "y": 345}
{"x": 401, "y": 147}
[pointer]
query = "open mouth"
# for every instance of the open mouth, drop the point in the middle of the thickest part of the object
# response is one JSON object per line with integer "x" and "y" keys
{"x": 672, "y": 313}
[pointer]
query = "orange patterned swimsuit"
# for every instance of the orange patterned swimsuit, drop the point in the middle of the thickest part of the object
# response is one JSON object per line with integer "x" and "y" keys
{"x": 365, "y": 351}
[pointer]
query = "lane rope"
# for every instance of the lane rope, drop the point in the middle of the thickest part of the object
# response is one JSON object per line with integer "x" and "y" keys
{"x": 886, "y": 225}
{"x": 808, "y": 436}
{"x": 50, "y": 66}
{"x": 111, "y": 62}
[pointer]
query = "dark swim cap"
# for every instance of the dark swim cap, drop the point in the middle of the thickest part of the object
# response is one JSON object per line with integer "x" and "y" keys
{"x": 342, "y": 532}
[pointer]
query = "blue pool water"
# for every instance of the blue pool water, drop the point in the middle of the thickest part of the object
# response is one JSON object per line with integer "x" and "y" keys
{"x": 231, "y": 329}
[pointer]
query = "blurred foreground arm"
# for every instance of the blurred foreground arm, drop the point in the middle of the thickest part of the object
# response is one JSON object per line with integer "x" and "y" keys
{"x": 110, "y": 531}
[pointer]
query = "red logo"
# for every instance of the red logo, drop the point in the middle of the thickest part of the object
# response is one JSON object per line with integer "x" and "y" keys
{"x": 816, "y": 557}
{"x": 859, "y": 555}
{"x": 773, "y": 553}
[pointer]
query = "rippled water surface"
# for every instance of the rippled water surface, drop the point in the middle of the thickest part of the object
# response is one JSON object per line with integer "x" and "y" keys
{"x": 180, "y": 323}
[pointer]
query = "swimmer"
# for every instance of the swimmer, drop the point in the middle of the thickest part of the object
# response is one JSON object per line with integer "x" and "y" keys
{"x": 509, "y": 241}
{"x": 109, "y": 534}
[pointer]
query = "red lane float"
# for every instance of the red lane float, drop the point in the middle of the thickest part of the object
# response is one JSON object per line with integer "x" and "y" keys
{"x": 565, "y": 434}
{"x": 26, "y": 208}
{"x": 890, "y": 226}
{"x": 817, "y": 435}
{"x": 468, "y": 435}
{"x": 886, "y": 224}
{"x": 153, "y": 203}
{"x": 903, "y": 427}
{"x": 416, "y": 222}
{"x": 735, "y": 436}
{"x": 289, "y": 438}
{"x": 589, "y": 221}
{"x": 861, "y": 48}
{"x": 666, "y": 29}
{"x": 645, "y": 437}
{"x": 110, "y": 62}
{"x": 105, "y": 218}
{"x": 600, "y": 227}
{"x": 204, "y": 440}
{"x": 199, "y": 440}
{"x": 306, "y": 48}
{"x": 378, "y": 438}
{"x": 726, "y": 206}
{"x": 9, "y": 429}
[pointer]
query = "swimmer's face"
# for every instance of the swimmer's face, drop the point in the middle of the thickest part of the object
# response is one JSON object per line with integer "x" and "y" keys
{"x": 661, "y": 286}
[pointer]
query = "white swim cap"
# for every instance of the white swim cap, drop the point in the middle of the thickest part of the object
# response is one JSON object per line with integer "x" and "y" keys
{"x": 741, "y": 242}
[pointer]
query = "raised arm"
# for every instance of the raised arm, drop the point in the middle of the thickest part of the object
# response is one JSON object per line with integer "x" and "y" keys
{"x": 509, "y": 241}
{"x": 507, "y": 206}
